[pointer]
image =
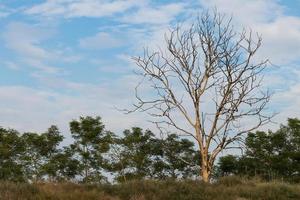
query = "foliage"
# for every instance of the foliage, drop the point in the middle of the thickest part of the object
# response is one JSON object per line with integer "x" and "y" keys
{"x": 134, "y": 152}
{"x": 270, "y": 155}
{"x": 91, "y": 142}
{"x": 178, "y": 158}
{"x": 139, "y": 155}
{"x": 62, "y": 166}
{"x": 11, "y": 149}
{"x": 39, "y": 150}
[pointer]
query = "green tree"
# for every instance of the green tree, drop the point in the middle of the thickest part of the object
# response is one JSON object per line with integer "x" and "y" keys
{"x": 228, "y": 165}
{"x": 177, "y": 158}
{"x": 11, "y": 148}
{"x": 91, "y": 144}
{"x": 32, "y": 158}
{"x": 62, "y": 166}
{"x": 133, "y": 155}
{"x": 139, "y": 155}
{"x": 260, "y": 150}
{"x": 270, "y": 155}
{"x": 276, "y": 154}
{"x": 286, "y": 144}
{"x": 38, "y": 151}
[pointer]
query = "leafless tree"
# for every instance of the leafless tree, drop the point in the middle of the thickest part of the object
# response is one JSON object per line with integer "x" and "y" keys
{"x": 207, "y": 84}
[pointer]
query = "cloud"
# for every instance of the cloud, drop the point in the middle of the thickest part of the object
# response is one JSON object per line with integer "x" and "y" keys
{"x": 286, "y": 103}
{"x": 101, "y": 40}
{"x": 140, "y": 23}
{"x": 154, "y": 15}
{"x": 82, "y": 8}
{"x": 5, "y": 11}
{"x": 280, "y": 33}
{"x": 281, "y": 44}
{"x": 3, "y": 14}
{"x": 41, "y": 66}
{"x": 33, "y": 109}
{"x": 11, "y": 65}
{"x": 131, "y": 11}
{"x": 281, "y": 40}
{"x": 244, "y": 12}
{"x": 25, "y": 40}
{"x": 28, "y": 42}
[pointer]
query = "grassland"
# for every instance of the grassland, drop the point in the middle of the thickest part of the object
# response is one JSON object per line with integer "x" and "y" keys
{"x": 230, "y": 188}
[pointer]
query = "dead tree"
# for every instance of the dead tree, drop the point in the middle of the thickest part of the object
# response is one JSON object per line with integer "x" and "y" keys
{"x": 206, "y": 84}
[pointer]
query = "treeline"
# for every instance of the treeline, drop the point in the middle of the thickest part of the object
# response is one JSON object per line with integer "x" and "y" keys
{"x": 269, "y": 155}
{"x": 96, "y": 155}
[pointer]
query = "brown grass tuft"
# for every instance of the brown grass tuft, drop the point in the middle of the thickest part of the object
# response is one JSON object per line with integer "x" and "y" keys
{"x": 229, "y": 188}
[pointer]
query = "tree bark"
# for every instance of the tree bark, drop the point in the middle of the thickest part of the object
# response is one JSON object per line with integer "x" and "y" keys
{"x": 205, "y": 169}
{"x": 205, "y": 175}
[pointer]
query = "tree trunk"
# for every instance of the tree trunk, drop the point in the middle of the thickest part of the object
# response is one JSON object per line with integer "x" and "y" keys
{"x": 205, "y": 169}
{"x": 205, "y": 175}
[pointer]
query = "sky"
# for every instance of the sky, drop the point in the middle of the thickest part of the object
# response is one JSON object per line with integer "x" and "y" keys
{"x": 61, "y": 59}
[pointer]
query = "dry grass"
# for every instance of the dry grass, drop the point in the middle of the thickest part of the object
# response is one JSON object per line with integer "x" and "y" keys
{"x": 230, "y": 188}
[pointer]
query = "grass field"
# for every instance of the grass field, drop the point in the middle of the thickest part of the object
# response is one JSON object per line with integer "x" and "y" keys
{"x": 230, "y": 188}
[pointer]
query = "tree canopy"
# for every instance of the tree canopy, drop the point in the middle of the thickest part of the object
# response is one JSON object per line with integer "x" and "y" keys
{"x": 270, "y": 155}
{"x": 97, "y": 155}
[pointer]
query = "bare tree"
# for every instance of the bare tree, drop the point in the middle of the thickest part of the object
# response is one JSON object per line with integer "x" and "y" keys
{"x": 207, "y": 85}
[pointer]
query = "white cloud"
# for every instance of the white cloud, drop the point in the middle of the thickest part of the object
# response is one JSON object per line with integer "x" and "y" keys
{"x": 281, "y": 40}
{"x": 27, "y": 42}
{"x": 92, "y": 8}
{"x": 28, "y": 108}
{"x": 41, "y": 66}
{"x": 132, "y": 11}
{"x": 245, "y": 12}
{"x": 101, "y": 40}
{"x": 32, "y": 109}
{"x": 281, "y": 44}
{"x": 281, "y": 34}
{"x": 154, "y": 15}
{"x": 82, "y": 8}
{"x": 3, "y": 14}
{"x": 4, "y": 11}
{"x": 287, "y": 103}
{"x": 11, "y": 65}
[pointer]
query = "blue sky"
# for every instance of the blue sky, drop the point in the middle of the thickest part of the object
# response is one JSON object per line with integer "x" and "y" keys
{"x": 60, "y": 59}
